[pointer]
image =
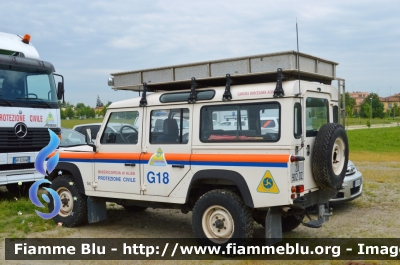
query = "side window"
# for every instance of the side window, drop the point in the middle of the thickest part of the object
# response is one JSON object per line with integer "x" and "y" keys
{"x": 169, "y": 126}
{"x": 258, "y": 122}
{"x": 297, "y": 120}
{"x": 335, "y": 113}
{"x": 317, "y": 114}
{"x": 122, "y": 128}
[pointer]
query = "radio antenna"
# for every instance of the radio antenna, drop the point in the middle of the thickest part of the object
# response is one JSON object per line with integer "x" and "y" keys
{"x": 298, "y": 55}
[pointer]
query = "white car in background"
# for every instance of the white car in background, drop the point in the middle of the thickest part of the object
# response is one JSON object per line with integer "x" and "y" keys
{"x": 352, "y": 186}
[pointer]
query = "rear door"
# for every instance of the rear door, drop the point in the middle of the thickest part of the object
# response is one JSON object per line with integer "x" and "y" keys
{"x": 166, "y": 159}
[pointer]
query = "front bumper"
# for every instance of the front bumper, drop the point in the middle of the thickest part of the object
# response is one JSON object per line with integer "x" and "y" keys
{"x": 352, "y": 188}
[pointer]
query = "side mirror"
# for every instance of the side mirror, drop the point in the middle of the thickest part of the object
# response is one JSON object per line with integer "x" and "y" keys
{"x": 60, "y": 90}
{"x": 88, "y": 139}
{"x": 88, "y": 136}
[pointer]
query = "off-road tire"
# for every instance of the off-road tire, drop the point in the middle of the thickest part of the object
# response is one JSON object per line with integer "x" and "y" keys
{"x": 76, "y": 215}
{"x": 216, "y": 205}
{"x": 289, "y": 222}
{"x": 134, "y": 208}
{"x": 19, "y": 190}
{"x": 330, "y": 155}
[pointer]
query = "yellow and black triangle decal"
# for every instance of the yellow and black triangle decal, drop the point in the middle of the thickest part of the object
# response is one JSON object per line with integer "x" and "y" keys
{"x": 268, "y": 184}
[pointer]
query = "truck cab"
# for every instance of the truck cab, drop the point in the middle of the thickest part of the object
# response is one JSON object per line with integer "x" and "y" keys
{"x": 28, "y": 109}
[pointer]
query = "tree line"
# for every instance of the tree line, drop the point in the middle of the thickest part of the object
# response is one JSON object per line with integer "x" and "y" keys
{"x": 81, "y": 110}
{"x": 366, "y": 110}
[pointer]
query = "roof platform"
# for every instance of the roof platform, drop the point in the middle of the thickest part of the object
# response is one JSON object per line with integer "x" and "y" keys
{"x": 243, "y": 70}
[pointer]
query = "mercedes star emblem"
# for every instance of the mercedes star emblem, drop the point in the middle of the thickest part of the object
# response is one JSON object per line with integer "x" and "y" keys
{"x": 20, "y": 130}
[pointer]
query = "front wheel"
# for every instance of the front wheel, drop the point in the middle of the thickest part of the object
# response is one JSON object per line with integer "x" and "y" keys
{"x": 73, "y": 210}
{"x": 220, "y": 217}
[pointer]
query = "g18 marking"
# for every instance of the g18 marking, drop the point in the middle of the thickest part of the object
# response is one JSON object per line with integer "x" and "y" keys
{"x": 160, "y": 178}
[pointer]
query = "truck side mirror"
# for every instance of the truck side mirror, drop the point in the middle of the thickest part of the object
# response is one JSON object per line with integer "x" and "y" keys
{"x": 60, "y": 90}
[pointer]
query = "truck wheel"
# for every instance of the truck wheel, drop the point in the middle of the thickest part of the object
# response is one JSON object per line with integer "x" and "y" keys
{"x": 73, "y": 210}
{"x": 330, "y": 156}
{"x": 290, "y": 222}
{"x": 134, "y": 208}
{"x": 219, "y": 217}
{"x": 19, "y": 190}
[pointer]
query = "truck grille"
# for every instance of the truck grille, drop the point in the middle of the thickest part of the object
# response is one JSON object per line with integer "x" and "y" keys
{"x": 10, "y": 167}
{"x": 35, "y": 140}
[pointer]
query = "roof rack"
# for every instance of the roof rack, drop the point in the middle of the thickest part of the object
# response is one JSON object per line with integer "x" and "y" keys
{"x": 243, "y": 70}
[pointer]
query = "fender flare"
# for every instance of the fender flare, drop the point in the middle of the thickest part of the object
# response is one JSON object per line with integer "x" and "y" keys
{"x": 224, "y": 175}
{"x": 76, "y": 174}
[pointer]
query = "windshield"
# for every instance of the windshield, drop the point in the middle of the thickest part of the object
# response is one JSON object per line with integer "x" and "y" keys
{"x": 27, "y": 89}
{"x": 71, "y": 138}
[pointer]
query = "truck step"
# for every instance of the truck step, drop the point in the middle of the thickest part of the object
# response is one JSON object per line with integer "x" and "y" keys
{"x": 313, "y": 224}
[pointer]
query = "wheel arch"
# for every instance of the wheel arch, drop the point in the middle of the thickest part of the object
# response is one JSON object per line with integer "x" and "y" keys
{"x": 70, "y": 169}
{"x": 226, "y": 175}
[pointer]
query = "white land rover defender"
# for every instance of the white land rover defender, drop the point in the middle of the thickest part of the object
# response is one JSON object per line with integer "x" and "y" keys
{"x": 173, "y": 151}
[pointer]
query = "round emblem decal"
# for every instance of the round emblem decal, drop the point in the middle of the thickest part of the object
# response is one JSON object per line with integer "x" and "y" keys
{"x": 20, "y": 130}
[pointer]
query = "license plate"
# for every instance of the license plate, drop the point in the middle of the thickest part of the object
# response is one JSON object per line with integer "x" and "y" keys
{"x": 296, "y": 170}
{"x": 357, "y": 183}
{"x": 21, "y": 160}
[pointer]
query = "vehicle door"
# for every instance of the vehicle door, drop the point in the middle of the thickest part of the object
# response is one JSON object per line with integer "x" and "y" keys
{"x": 117, "y": 158}
{"x": 316, "y": 115}
{"x": 166, "y": 159}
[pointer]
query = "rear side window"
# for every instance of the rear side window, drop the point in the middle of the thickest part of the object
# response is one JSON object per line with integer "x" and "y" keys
{"x": 258, "y": 123}
{"x": 297, "y": 121}
{"x": 169, "y": 126}
{"x": 335, "y": 113}
{"x": 317, "y": 114}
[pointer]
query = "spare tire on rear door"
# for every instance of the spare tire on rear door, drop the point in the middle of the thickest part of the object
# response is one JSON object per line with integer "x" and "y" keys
{"x": 330, "y": 155}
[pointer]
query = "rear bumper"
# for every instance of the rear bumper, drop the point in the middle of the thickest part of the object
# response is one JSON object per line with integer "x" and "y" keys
{"x": 313, "y": 198}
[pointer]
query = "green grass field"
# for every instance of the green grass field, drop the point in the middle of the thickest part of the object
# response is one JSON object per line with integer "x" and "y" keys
{"x": 363, "y": 121}
{"x": 73, "y": 122}
{"x": 382, "y": 140}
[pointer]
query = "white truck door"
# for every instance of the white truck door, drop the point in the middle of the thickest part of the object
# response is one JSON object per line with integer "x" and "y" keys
{"x": 118, "y": 152}
{"x": 316, "y": 115}
{"x": 167, "y": 148}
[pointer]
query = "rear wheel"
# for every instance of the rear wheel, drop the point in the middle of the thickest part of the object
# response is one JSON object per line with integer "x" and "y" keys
{"x": 220, "y": 216}
{"x": 134, "y": 208}
{"x": 289, "y": 222}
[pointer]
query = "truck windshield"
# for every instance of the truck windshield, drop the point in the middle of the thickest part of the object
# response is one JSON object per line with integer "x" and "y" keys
{"x": 27, "y": 89}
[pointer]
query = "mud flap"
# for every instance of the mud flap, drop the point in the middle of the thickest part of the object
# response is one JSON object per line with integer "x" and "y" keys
{"x": 273, "y": 226}
{"x": 96, "y": 209}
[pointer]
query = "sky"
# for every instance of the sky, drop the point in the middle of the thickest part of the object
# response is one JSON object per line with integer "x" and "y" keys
{"x": 86, "y": 41}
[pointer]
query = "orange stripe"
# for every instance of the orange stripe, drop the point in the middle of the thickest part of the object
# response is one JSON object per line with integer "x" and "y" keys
{"x": 76, "y": 155}
{"x": 117, "y": 155}
{"x": 278, "y": 158}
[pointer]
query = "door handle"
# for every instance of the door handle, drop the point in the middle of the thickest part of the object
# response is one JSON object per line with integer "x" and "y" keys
{"x": 180, "y": 166}
{"x": 130, "y": 165}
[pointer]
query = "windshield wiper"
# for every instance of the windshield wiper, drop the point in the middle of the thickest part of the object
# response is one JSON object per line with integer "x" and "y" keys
{"x": 8, "y": 103}
{"x": 38, "y": 100}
